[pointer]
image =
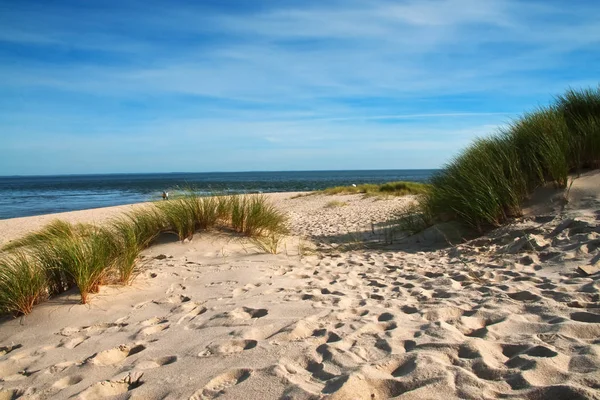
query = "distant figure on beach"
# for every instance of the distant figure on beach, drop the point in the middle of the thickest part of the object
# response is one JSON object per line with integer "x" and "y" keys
{"x": 165, "y": 195}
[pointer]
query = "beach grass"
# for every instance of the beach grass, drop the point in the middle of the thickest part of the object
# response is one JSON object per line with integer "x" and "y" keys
{"x": 22, "y": 283}
{"x": 127, "y": 248}
{"x": 269, "y": 243}
{"x": 259, "y": 217}
{"x": 180, "y": 215}
{"x": 399, "y": 188}
{"x": 61, "y": 255}
{"x": 147, "y": 222}
{"x": 489, "y": 181}
{"x": 84, "y": 260}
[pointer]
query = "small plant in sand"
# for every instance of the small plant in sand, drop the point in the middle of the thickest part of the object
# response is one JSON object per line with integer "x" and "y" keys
{"x": 412, "y": 218}
{"x": 269, "y": 243}
{"x": 335, "y": 204}
{"x": 305, "y": 248}
{"x": 23, "y": 283}
{"x": 254, "y": 215}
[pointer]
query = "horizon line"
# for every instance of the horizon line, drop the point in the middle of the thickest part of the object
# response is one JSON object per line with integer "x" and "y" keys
{"x": 213, "y": 172}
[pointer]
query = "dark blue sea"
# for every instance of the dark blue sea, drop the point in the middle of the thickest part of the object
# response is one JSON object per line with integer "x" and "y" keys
{"x": 22, "y": 196}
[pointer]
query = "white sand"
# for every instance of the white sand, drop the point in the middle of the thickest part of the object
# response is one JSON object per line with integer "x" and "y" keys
{"x": 497, "y": 317}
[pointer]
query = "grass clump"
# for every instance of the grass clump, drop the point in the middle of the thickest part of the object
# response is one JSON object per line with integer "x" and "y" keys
{"x": 127, "y": 248}
{"x": 269, "y": 243}
{"x": 335, "y": 204}
{"x": 23, "y": 283}
{"x": 84, "y": 260}
{"x": 180, "y": 216}
{"x": 489, "y": 181}
{"x": 147, "y": 223}
{"x": 253, "y": 215}
{"x": 399, "y": 188}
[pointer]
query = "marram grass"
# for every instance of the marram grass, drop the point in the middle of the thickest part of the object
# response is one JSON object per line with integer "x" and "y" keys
{"x": 22, "y": 283}
{"x": 85, "y": 260}
{"x": 61, "y": 255}
{"x": 489, "y": 181}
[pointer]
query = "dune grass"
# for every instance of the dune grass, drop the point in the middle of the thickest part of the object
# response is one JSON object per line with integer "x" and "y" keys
{"x": 180, "y": 216}
{"x": 147, "y": 223}
{"x": 85, "y": 260}
{"x": 127, "y": 248}
{"x": 22, "y": 283}
{"x": 253, "y": 215}
{"x": 399, "y": 188}
{"x": 61, "y": 255}
{"x": 489, "y": 181}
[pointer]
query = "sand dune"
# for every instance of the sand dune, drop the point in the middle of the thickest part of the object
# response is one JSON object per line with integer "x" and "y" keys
{"x": 497, "y": 317}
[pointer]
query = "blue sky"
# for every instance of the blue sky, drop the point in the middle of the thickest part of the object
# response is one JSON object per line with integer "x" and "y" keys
{"x": 162, "y": 86}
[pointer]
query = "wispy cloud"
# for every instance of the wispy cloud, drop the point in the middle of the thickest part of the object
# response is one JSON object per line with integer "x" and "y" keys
{"x": 274, "y": 76}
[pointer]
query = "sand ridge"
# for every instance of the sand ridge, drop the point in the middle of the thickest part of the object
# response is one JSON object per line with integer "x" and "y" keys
{"x": 496, "y": 317}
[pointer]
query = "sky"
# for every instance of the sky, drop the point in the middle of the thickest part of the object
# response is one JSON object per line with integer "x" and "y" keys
{"x": 257, "y": 85}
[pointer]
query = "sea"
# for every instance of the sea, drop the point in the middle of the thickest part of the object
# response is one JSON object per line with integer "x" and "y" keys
{"x": 22, "y": 196}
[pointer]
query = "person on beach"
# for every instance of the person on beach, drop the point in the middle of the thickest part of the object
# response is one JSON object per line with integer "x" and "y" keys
{"x": 165, "y": 195}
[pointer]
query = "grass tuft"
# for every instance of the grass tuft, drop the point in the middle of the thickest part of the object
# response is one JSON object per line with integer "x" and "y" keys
{"x": 253, "y": 215}
{"x": 269, "y": 243}
{"x": 180, "y": 215}
{"x": 84, "y": 260}
{"x": 23, "y": 283}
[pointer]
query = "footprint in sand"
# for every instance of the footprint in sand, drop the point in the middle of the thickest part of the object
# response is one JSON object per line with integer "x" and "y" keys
{"x": 524, "y": 296}
{"x": 112, "y": 388}
{"x": 386, "y": 316}
{"x": 67, "y": 381}
{"x": 587, "y": 317}
{"x": 217, "y": 386}
{"x": 158, "y": 362}
{"x": 151, "y": 330}
{"x": 174, "y": 299}
{"x": 60, "y": 367}
{"x": 116, "y": 355}
{"x": 71, "y": 343}
{"x": 93, "y": 330}
{"x": 7, "y": 349}
{"x": 228, "y": 347}
{"x": 192, "y": 313}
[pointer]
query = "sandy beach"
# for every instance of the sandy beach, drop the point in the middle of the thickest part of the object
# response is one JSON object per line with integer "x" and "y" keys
{"x": 506, "y": 315}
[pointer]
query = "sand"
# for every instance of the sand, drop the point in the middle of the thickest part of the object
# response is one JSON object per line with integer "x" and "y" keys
{"x": 496, "y": 317}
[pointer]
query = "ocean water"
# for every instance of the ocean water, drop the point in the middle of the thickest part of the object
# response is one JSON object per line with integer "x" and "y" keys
{"x": 22, "y": 196}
